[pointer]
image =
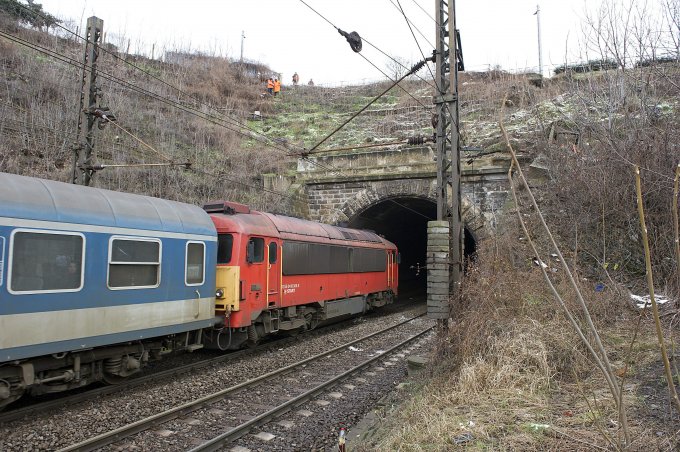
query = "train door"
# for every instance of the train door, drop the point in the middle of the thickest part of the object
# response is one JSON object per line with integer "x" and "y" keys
{"x": 273, "y": 275}
{"x": 390, "y": 268}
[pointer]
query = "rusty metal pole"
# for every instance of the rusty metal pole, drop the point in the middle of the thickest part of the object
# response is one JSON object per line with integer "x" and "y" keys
{"x": 84, "y": 155}
{"x": 455, "y": 63}
{"x": 448, "y": 172}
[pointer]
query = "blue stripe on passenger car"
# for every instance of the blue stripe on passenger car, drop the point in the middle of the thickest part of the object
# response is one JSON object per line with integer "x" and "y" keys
{"x": 95, "y": 292}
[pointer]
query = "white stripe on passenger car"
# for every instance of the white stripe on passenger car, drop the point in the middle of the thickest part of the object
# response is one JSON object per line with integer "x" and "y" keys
{"x": 43, "y": 327}
{"x": 55, "y": 225}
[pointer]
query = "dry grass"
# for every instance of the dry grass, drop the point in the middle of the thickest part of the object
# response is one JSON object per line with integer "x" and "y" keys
{"x": 38, "y": 109}
{"x": 516, "y": 377}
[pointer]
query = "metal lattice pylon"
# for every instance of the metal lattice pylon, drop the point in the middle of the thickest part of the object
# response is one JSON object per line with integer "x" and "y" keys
{"x": 446, "y": 122}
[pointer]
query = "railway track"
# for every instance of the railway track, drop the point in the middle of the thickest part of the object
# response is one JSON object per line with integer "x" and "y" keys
{"x": 305, "y": 380}
{"x": 89, "y": 394}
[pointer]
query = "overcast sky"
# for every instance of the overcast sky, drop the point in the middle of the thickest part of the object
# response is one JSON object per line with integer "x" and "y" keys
{"x": 290, "y": 37}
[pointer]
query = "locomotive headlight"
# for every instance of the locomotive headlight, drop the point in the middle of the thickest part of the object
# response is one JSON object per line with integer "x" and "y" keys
{"x": 219, "y": 293}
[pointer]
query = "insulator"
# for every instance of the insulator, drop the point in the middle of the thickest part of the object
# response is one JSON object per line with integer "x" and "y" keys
{"x": 353, "y": 39}
{"x": 416, "y": 67}
{"x": 415, "y": 141}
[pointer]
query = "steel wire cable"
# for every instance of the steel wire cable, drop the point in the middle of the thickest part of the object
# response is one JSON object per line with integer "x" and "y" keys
{"x": 71, "y": 61}
{"x": 254, "y": 187}
{"x": 446, "y": 105}
{"x": 140, "y": 90}
{"x": 371, "y": 102}
{"x": 135, "y": 88}
{"x": 362, "y": 38}
{"x": 179, "y": 90}
{"x": 408, "y": 22}
{"x": 426, "y": 13}
{"x": 328, "y": 167}
{"x": 65, "y": 59}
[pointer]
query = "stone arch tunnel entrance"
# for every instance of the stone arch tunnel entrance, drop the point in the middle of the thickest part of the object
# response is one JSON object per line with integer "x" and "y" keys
{"x": 403, "y": 221}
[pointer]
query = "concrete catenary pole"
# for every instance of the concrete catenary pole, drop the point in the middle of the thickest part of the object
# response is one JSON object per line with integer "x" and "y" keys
{"x": 243, "y": 38}
{"x": 540, "y": 47}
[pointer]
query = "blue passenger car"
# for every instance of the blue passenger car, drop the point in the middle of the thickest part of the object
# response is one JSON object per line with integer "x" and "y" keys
{"x": 93, "y": 283}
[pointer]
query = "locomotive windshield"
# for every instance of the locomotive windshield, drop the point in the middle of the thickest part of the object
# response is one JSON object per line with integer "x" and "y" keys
{"x": 225, "y": 243}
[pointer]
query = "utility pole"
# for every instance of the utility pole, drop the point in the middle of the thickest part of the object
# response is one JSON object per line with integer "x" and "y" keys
{"x": 540, "y": 47}
{"x": 243, "y": 38}
{"x": 84, "y": 158}
{"x": 444, "y": 242}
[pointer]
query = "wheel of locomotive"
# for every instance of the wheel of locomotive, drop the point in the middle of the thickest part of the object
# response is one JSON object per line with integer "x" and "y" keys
{"x": 253, "y": 337}
{"x": 311, "y": 321}
{"x": 113, "y": 379}
{"x": 6, "y": 387}
{"x": 295, "y": 332}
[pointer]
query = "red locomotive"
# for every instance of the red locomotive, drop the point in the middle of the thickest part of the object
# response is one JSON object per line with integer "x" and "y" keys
{"x": 277, "y": 273}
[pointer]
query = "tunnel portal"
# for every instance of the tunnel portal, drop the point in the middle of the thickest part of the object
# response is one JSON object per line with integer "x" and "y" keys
{"x": 403, "y": 221}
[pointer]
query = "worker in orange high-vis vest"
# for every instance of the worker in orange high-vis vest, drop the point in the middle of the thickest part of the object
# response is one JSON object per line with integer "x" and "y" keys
{"x": 270, "y": 86}
{"x": 277, "y": 86}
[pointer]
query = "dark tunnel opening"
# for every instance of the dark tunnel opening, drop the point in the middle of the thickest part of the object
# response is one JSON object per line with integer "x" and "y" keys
{"x": 403, "y": 221}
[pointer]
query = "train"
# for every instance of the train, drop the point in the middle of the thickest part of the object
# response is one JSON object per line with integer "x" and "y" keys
{"x": 95, "y": 284}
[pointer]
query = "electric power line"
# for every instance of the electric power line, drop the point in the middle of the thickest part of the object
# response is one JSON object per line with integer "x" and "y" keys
{"x": 132, "y": 87}
{"x": 179, "y": 90}
{"x": 408, "y": 22}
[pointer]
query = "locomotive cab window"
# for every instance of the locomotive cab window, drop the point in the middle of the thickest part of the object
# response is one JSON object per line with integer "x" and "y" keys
{"x": 225, "y": 246}
{"x": 255, "y": 250}
{"x": 46, "y": 262}
{"x": 134, "y": 263}
{"x": 194, "y": 269}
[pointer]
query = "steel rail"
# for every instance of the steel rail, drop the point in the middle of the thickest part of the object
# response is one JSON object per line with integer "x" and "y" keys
{"x": 42, "y": 407}
{"x": 143, "y": 424}
{"x": 235, "y": 433}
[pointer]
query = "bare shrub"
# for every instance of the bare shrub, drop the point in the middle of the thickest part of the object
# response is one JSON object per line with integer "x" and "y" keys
{"x": 38, "y": 122}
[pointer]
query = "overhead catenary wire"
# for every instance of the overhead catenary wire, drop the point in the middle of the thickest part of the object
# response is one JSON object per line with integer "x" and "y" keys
{"x": 190, "y": 96}
{"x": 148, "y": 146}
{"x": 140, "y": 90}
{"x": 65, "y": 59}
{"x": 399, "y": 63}
{"x": 254, "y": 187}
{"x": 413, "y": 69}
{"x": 438, "y": 88}
{"x": 397, "y": 85}
{"x": 135, "y": 88}
{"x": 187, "y": 165}
{"x": 181, "y": 106}
{"x": 363, "y": 38}
{"x": 148, "y": 73}
{"x": 426, "y": 13}
{"x": 408, "y": 22}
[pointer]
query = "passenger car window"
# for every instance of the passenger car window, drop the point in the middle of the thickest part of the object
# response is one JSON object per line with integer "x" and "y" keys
{"x": 225, "y": 245}
{"x": 46, "y": 262}
{"x": 195, "y": 264}
{"x": 134, "y": 263}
